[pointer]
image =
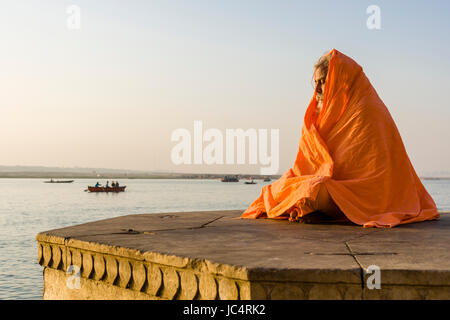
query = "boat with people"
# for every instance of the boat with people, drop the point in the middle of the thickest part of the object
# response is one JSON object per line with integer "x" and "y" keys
{"x": 107, "y": 189}
{"x": 58, "y": 181}
{"x": 113, "y": 187}
{"x": 266, "y": 179}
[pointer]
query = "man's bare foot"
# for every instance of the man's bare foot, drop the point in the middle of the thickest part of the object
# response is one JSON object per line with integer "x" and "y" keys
{"x": 293, "y": 216}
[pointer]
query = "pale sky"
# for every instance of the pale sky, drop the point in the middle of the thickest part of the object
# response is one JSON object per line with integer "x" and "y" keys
{"x": 111, "y": 93}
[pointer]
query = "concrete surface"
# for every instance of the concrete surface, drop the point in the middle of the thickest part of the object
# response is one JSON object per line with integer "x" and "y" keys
{"x": 214, "y": 255}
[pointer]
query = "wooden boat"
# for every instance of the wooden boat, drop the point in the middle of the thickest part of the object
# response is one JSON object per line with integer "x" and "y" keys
{"x": 109, "y": 189}
{"x": 250, "y": 182}
{"x": 267, "y": 179}
{"x": 59, "y": 181}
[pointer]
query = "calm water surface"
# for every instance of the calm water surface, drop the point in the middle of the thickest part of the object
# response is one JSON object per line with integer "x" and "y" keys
{"x": 29, "y": 206}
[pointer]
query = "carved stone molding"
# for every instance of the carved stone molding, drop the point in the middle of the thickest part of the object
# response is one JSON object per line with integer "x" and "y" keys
{"x": 157, "y": 280}
{"x": 189, "y": 281}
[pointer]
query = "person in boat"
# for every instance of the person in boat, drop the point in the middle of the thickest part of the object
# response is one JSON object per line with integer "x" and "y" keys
{"x": 117, "y": 184}
{"x": 107, "y": 184}
{"x": 97, "y": 185}
{"x": 351, "y": 163}
{"x": 113, "y": 184}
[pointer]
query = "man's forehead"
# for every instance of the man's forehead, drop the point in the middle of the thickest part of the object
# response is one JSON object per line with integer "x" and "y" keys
{"x": 320, "y": 73}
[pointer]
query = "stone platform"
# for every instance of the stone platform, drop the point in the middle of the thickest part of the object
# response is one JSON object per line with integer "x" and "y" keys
{"x": 214, "y": 255}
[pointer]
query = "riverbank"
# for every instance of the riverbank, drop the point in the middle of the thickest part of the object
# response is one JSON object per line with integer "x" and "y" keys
{"x": 71, "y": 175}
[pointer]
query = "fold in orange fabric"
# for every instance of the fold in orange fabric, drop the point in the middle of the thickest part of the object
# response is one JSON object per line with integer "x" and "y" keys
{"x": 354, "y": 148}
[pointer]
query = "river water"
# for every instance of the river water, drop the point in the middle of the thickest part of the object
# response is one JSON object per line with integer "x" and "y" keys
{"x": 29, "y": 206}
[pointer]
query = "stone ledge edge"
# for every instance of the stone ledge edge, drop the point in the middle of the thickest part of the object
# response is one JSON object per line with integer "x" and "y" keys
{"x": 55, "y": 252}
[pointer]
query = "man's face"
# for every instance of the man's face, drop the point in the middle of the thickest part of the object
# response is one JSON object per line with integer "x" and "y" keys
{"x": 319, "y": 78}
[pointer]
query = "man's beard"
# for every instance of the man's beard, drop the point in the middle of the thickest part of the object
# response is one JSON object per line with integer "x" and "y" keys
{"x": 319, "y": 96}
{"x": 319, "y": 99}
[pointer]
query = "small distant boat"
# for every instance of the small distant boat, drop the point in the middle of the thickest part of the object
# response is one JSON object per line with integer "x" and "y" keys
{"x": 250, "y": 182}
{"x": 105, "y": 189}
{"x": 267, "y": 179}
{"x": 58, "y": 181}
{"x": 230, "y": 179}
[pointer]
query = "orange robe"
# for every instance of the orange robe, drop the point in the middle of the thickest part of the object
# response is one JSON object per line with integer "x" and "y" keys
{"x": 354, "y": 148}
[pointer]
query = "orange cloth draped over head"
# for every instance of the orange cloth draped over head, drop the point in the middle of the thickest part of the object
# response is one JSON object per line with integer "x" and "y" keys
{"x": 354, "y": 149}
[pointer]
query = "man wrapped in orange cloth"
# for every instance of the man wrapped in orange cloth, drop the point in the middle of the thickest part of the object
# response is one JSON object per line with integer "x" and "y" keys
{"x": 351, "y": 163}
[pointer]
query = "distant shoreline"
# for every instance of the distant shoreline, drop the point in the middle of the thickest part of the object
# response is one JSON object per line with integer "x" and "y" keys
{"x": 110, "y": 175}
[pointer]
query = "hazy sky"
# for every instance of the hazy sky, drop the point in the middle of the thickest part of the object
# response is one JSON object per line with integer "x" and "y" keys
{"x": 111, "y": 93}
